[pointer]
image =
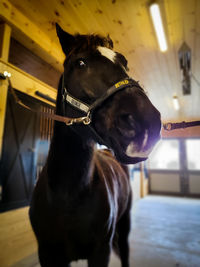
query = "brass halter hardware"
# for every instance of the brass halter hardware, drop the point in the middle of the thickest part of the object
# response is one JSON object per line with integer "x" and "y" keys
{"x": 85, "y": 120}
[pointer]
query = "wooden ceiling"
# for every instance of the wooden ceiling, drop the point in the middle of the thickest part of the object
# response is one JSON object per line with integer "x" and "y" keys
{"x": 129, "y": 25}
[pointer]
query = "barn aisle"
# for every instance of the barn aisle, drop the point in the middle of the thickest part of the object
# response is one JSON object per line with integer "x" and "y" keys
{"x": 165, "y": 233}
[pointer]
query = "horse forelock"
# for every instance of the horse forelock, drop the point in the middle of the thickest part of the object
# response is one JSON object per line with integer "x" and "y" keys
{"x": 90, "y": 42}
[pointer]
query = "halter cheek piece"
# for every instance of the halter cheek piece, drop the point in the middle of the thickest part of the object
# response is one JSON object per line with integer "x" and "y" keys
{"x": 88, "y": 109}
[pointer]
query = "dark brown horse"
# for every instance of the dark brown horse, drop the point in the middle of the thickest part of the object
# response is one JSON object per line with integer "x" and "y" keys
{"x": 81, "y": 204}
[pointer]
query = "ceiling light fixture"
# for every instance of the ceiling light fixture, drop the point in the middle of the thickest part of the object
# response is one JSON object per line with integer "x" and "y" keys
{"x": 158, "y": 26}
{"x": 176, "y": 102}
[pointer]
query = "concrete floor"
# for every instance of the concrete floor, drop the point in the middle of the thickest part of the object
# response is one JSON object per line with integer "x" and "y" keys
{"x": 165, "y": 233}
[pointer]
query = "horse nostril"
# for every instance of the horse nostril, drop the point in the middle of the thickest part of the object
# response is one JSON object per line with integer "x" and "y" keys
{"x": 127, "y": 125}
{"x": 127, "y": 121}
{"x": 131, "y": 120}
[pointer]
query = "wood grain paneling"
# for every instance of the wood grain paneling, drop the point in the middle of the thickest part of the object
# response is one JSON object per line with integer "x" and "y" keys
{"x": 17, "y": 240}
{"x": 24, "y": 59}
{"x": 28, "y": 84}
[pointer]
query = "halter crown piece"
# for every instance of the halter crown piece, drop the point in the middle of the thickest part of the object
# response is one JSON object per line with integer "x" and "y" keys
{"x": 88, "y": 109}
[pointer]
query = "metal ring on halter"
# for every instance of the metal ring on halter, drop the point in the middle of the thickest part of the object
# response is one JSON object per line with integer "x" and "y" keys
{"x": 85, "y": 120}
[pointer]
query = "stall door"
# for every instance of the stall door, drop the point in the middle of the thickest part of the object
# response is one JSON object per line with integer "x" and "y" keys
{"x": 17, "y": 168}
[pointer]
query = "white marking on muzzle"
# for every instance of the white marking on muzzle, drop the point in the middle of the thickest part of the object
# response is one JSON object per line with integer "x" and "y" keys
{"x": 133, "y": 151}
{"x": 145, "y": 139}
{"x": 106, "y": 52}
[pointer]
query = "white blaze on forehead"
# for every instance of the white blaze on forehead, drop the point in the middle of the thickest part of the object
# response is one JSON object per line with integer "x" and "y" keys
{"x": 106, "y": 52}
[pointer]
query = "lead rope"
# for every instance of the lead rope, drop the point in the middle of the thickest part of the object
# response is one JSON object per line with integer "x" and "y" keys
{"x": 169, "y": 126}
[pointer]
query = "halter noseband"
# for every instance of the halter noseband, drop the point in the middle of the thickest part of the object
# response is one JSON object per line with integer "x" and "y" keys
{"x": 88, "y": 109}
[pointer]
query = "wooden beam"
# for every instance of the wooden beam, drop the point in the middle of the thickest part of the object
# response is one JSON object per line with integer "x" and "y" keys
{"x": 143, "y": 181}
{"x": 5, "y": 34}
{"x": 27, "y": 84}
{"x": 3, "y": 102}
{"x": 31, "y": 36}
{"x": 192, "y": 132}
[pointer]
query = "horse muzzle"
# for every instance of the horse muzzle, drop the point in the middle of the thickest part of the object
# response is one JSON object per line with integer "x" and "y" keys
{"x": 136, "y": 137}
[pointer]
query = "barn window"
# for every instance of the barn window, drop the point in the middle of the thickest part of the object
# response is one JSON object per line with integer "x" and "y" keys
{"x": 165, "y": 155}
{"x": 193, "y": 154}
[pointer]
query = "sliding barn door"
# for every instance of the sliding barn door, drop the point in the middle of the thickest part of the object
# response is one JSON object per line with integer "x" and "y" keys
{"x": 17, "y": 165}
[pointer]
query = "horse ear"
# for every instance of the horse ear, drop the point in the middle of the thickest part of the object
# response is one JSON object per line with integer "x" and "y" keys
{"x": 110, "y": 41}
{"x": 66, "y": 39}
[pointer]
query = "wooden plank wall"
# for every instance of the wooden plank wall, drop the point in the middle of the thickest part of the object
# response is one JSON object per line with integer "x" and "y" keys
{"x": 27, "y": 84}
{"x": 192, "y": 132}
{"x": 17, "y": 240}
{"x": 26, "y": 32}
{"x": 27, "y": 61}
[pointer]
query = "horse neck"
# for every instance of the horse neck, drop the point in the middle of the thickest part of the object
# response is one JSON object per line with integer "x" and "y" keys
{"x": 69, "y": 161}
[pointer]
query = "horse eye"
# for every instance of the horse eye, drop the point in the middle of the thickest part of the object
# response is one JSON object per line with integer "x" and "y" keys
{"x": 81, "y": 63}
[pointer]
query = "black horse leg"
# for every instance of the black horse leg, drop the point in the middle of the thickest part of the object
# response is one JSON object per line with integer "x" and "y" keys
{"x": 100, "y": 257}
{"x": 52, "y": 256}
{"x": 123, "y": 229}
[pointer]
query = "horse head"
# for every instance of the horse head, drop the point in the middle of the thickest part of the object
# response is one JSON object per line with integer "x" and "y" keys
{"x": 95, "y": 83}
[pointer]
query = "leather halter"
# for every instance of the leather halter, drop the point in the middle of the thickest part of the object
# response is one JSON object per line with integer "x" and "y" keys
{"x": 88, "y": 109}
{"x": 76, "y": 103}
{"x": 86, "y": 120}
